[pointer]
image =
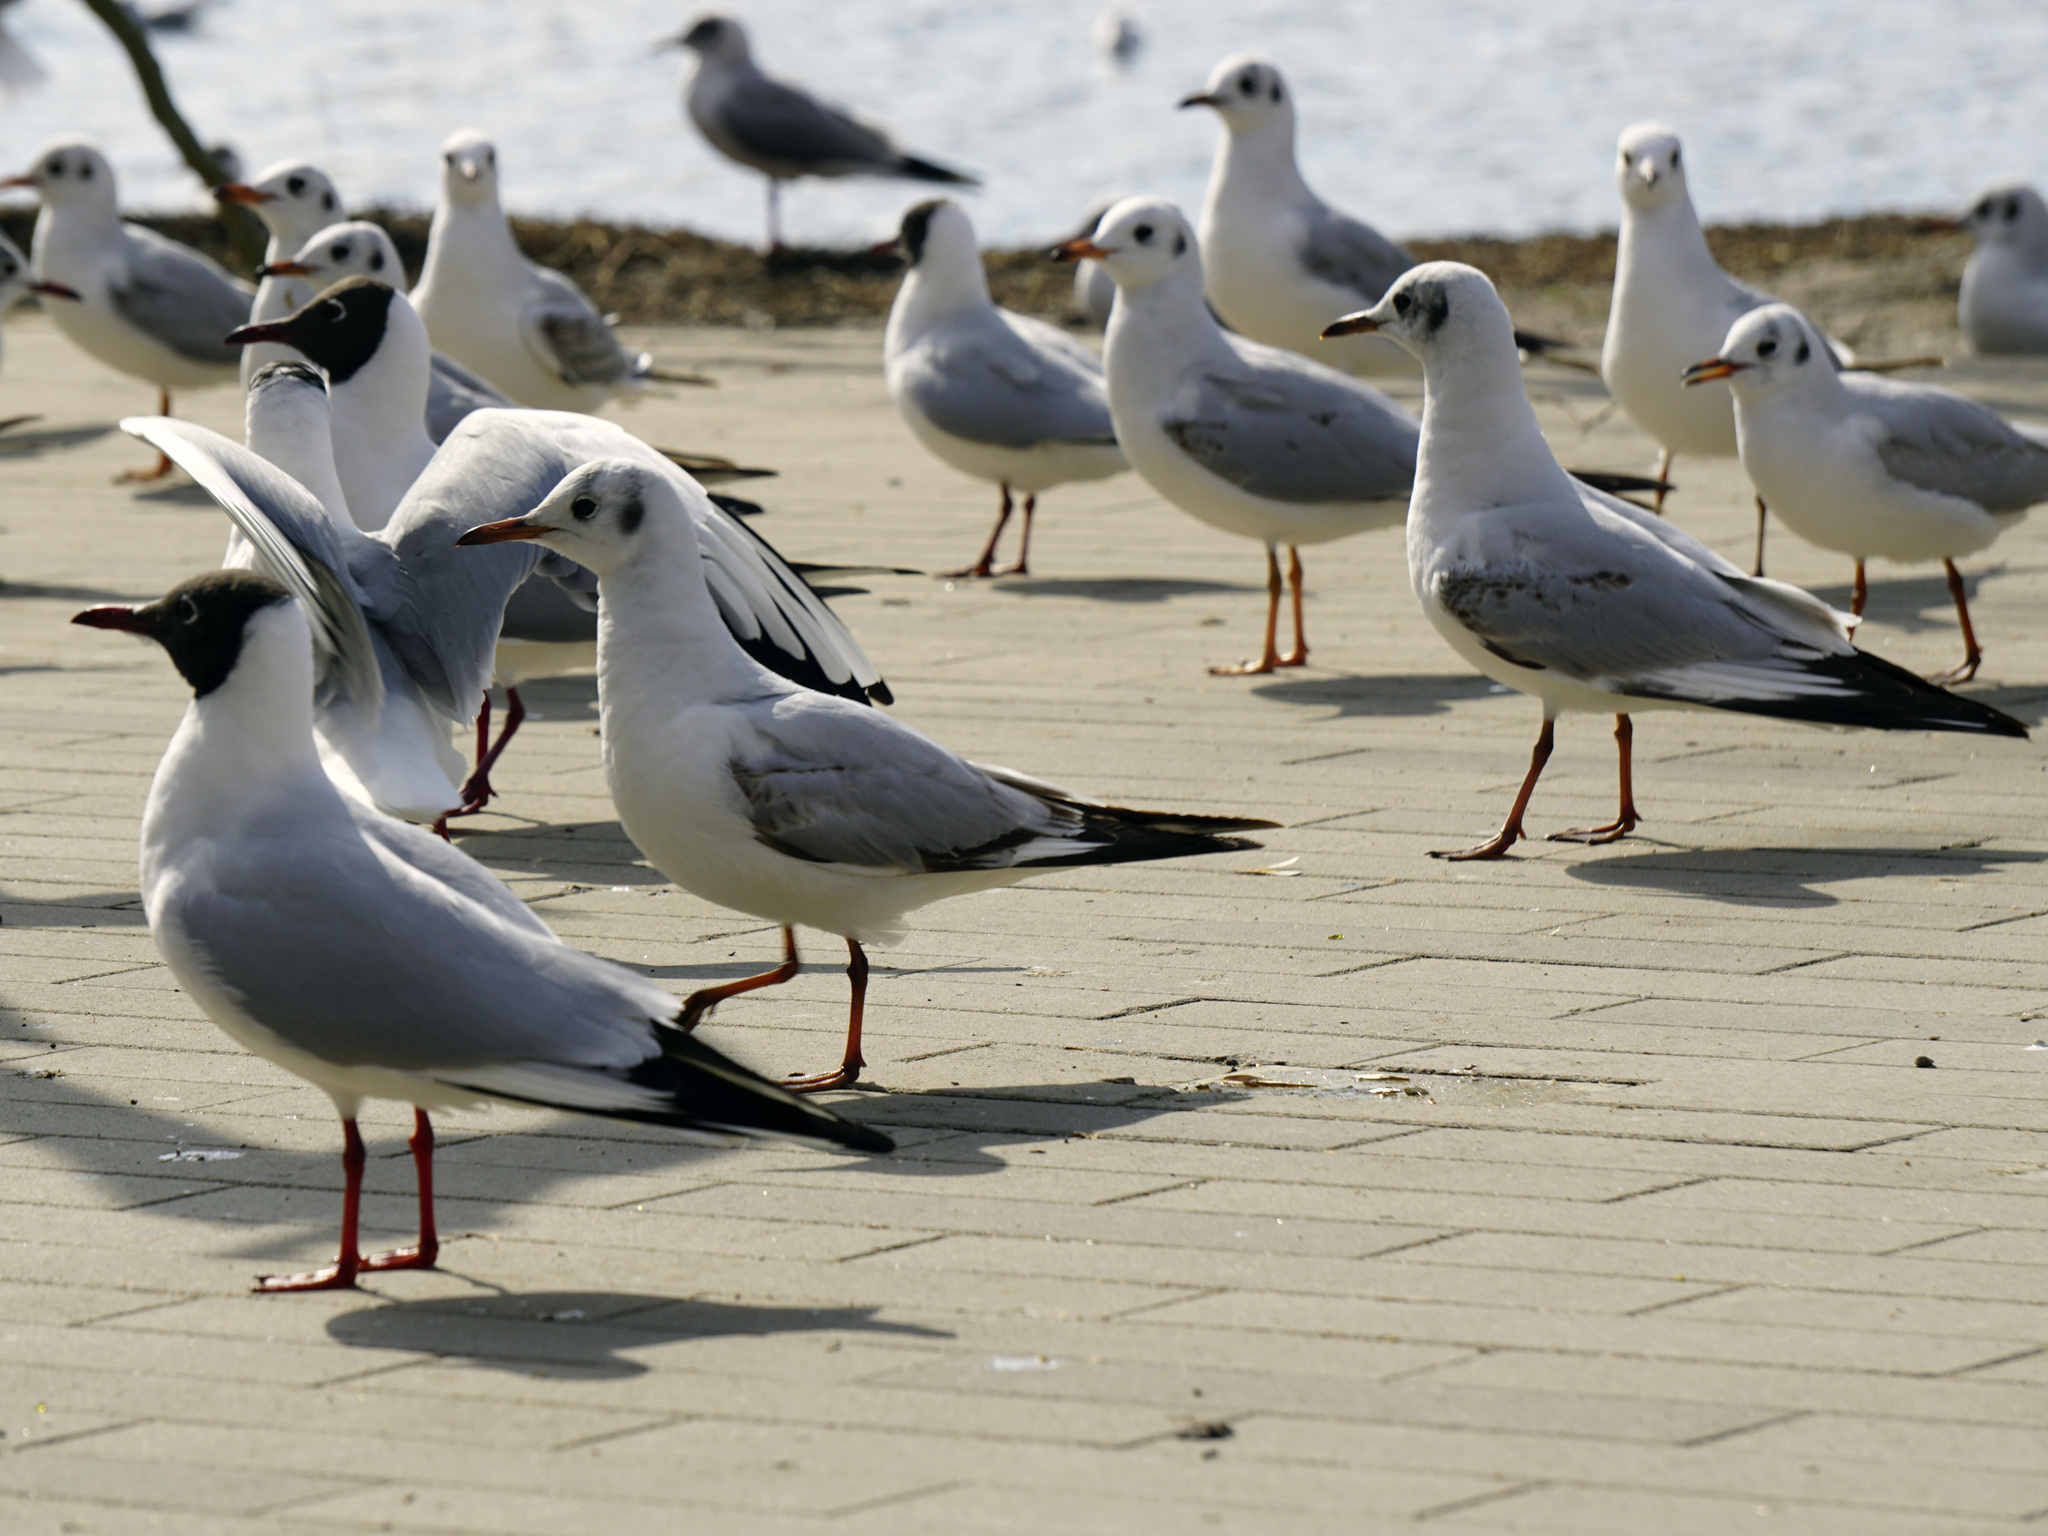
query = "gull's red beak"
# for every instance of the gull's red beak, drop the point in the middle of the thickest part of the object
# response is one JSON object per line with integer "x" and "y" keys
{"x": 56, "y": 291}
{"x": 128, "y": 620}
{"x": 241, "y": 192}
{"x": 1080, "y": 249}
{"x": 270, "y": 330}
{"x": 1360, "y": 324}
{"x": 18, "y": 181}
{"x": 1712, "y": 368}
{"x": 500, "y": 533}
{"x": 1199, "y": 99}
{"x": 285, "y": 269}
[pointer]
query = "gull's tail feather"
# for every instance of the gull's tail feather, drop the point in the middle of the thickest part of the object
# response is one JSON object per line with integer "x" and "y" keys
{"x": 654, "y": 373}
{"x": 689, "y": 1087}
{"x": 1615, "y": 484}
{"x": 1853, "y": 689}
{"x": 1093, "y": 833}
{"x": 924, "y": 170}
{"x": 712, "y": 468}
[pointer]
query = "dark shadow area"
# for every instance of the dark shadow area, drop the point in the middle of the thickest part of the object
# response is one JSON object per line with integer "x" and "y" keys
{"x": 28, "y": 442}
{"x": 551, "y": 698}
{"x": 1421, "y": 693}
{"x": 587, "y": 852}
{"x": 580, "y": 1335}
{"x": 970, "y": 1118}
{"x": 1784, "y": 877}
{"x": 178, "y": 493}
{"x": 1116, "y": 589}
{"x": 1916, "y": 603}
{"x": 35, "y": 591}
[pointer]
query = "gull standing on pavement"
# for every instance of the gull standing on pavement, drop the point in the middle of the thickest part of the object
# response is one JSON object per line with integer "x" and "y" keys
{"x": 1584, "y": 601}
{"x": 1869, "y": 466}
{"x": 2004, "y": 302}
{"x": 1250, "y": 439}
{"x": 524, "y": 327}
{"x": 994, "y": 394}
{"x": 17, "y": 282}
{"x": 295, "y": 200}
{"x": 145, "y": 306}
{"x": 796, "y": 806}
{"x": 373, "y": 960}
{"x": 781, "y": 130}
{"x": 1278, "y": 262}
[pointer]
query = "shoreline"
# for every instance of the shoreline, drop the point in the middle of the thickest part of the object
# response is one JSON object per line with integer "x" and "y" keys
{"x": 1881, "y": 280}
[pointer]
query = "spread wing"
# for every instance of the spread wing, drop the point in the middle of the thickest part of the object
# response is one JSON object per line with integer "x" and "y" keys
{"x": 1350, "y": 254}
{"x": 1004, "y": 385}
{"x": 179, "y": 297}
{"x": 1942, "y": 442}
{"x": 1281, "y": 428}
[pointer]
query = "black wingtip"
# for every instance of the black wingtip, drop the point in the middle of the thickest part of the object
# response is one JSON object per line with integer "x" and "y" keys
{"x": 1622, "y": 485}
{"x": 710, "y": 1090}
{"x": 1884, "y": 697}
{"x": 926, "y": 170}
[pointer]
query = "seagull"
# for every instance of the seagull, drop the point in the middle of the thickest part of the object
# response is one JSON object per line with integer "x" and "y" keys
{"x": 373, "y": 960}
{"x": 1247, "y": 438}
{"x": 794, "y": 806}
{"x": 1094, "y": 289}
{"x": 993, "y": 394}
{"x": 1279, "y": 263}
{"x": 526, "y": 328}
{"x": 145, "y": 305}
{"x": 2004, "y": 303}
{"x": 781, "y": 130}
{"x": 440, "y": 626}
{"x": 1871, "y": 466}
{"x": 17, "y": 282}
{"x": 295, "y": 200}
{"x": 1585, "y": 601}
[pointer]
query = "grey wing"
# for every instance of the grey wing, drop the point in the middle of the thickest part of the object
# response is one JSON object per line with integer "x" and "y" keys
{"x": 364, "y": 950}
{"x": 569, "y": 338}
{"x": 779, "y": 123}
{"x": 1350, "y": 254}
{"x": 331, "y": 570}
{"x": 452, "y": 393}
{"x": 180, "y": 298}
{"x": 1952, "y": 446}
{"x": 830, "y": 782}
{"x": 991, "y": 385}
{"x": 1291, "y": 432}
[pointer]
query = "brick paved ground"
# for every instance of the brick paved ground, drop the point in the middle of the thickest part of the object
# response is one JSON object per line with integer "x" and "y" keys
{"x": 1675, "y": 1237}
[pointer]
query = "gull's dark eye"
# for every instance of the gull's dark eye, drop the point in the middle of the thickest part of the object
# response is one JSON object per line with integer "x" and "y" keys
{"x": 376, "y": 261}
{"x": 1143, "y": 233}
{"x": 1275, "y": 92}
{"x": 188, "y": 611}
{"x": 1180, "y": 245}
{"x": 296, "y": 186}
{"x": 1805, "y": 351}
{"x": 1766, "y": 347}
{"x": 2012, "y": 209}
{"x": 1402, "y": 303}
{"x": 336, "y": 310}
{"x": 85, "y": 171}
{"x": 327, "y": 201}
{"x": 338, "y": 252}
{"x": 55, "y": 168}
{"x": 583, "y": 509}
{"x": 1674, "y": 159}
{"x": 1248, "y": 85}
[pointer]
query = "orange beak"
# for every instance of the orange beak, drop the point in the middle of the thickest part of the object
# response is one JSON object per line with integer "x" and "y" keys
{"x": 1939, "y": 226}
{"x": 285, "y": 269}
{"x": 499, "y": 533}
{"x": 1712, "y": 368}
{"x": 241, "y": 192}
{"x": 1079, "y": 249}
{"x": 1359, "y": 324}
{"x": 18, "y": 181}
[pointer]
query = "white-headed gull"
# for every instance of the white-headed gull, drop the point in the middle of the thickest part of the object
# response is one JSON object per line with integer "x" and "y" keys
{"x": 524, "y": 327}
{"x": 798, "y": 807}
{"x": 1587, "y": 602}
{"x": 996, "y": 395}
{"x": 295, "y": 200}
{"x": 145, "y": 306}
{"x": 2004, "y": 302}
{"x": 374, "y": 960}
{"x": 1869, "y": 466}
{"x": 782, "y": 130}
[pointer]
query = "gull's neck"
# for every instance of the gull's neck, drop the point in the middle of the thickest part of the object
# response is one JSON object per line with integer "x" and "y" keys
{"x": 935, "y": 289}
{"x": 297, "y": 435}
{"x": 468, "y": 246}
{"x": 71, "y": 235}
{"x": 1661, "y": 247}
{"x": 379, "y": 421}
{"x": 1257, "y": 166}
{"x": 1481, "y": 446}
{"x": 1156, "y": 333}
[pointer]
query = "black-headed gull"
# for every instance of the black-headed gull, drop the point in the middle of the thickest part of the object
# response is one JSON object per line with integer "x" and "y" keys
{"x": 2004, "y": 303}
{"x": 524, "y": 327}
{"x": 798, "y": 807}
{"x": 1869, "y": 466}
{"x": 996, "y": 395}
{"x": 1587, "y": 602}
{"x": 144, "y": 306}
{"x": 782, "y": 130}
{"x": 373, "y": 960}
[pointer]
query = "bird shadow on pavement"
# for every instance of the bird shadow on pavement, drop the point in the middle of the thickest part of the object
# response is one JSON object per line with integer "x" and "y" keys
{"x": 1363, "y": 694}
{"x": 572, "y": 697}
{"x": 1914, "y": 604}
{"x": 966, "y": 1123}
{"x": 41, "y": 592}
{"x": 26, "y": 445}
{"x": 584, "y": 1335}
{"x": 1785, "y": 877}
{"x": 180, "y": 493}
{"x": 1117, "y": 589}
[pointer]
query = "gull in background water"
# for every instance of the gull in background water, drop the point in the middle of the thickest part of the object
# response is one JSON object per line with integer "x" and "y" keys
{"x": 2004, "y": 303}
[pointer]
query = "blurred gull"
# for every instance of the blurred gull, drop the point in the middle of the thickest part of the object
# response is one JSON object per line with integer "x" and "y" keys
{"x": 18, "y": 67}
{"x": 295, "y": 200}
{"x": 1869, "y": 466}
{"x": 145, "y": 306}
{"x": 2004, "y": 303}
{"x": 372, "y": 960}
{"x": 782, "y": 130}
{"x": 994, "y": 394}
{"x": 792, "y": 805}
{"x": 1587, "y": 602}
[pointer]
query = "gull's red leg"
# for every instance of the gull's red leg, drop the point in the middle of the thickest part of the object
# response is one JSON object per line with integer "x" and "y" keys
{"x": 983, "y": 565}
{"x": 702, "y": 1001}
{"x": 848, "y": 1072}
{"x": 1663, "y": 477}
{"x": 163, "y": 460}
{"x": 1762, "y": 514}
{"x": 422, "y": 1254}
{"x": 1271, "y": 656}
{"x": 1299, "y": 655}
{"x": 1624, "y": 822}
{"x": 1511, "y": 829}
{"x": 1023, "y": 565}
{"x": 1859, "y": 594}
{"x": 1973, "y": 654}
{"x": 341, "y": 1274}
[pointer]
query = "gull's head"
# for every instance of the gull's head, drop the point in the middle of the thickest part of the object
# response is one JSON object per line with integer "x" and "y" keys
{"x": 292, "y": 198}
{"x": 69, "y": 171}
{"x": 356, "y": 248}
{"x": 1433, "y": 310}
{"x": 600, "y": 516}
{"x": 469, "y": 168}
{"x": 1246, "y": 92}
{"x": 1767, "y": 350}
{"x": 339, "y": 329}
{"x": 714, "y": 39}
{"x": 287, "y": 400}
{"x": 1139, "y": 241}
{"x": 2008, "y": 213}
{"x": 1648, "y": 167}
{"x": 937, "y": 236}
{"x": 205, "y": 623}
